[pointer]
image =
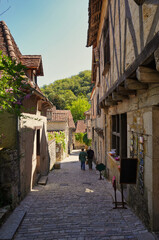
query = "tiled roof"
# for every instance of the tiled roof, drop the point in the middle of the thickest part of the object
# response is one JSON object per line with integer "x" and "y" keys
{"x": 62, "y": 115}
{"x": 59, "y": 117}
{"x": 7, "y": 43}
{"x": 9, "y": 47}
{"x": 33, "y": 62}
{"x": 94, "y": 20}
{"x": 70, "y": 118}
{"x": 81, "y": 127}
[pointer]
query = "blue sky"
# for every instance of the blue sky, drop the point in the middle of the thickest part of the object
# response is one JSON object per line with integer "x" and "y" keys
{"x": 55, "y": 29}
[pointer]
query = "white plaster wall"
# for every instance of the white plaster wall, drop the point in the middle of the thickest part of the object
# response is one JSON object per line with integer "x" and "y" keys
{"x": 28, "y": 138}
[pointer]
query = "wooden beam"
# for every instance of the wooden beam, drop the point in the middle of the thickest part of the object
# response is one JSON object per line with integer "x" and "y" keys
{"x": 134, "y": 84}
{"x": 147, "y": 75}
{"x": 109, "y": 103}
{"x": 106, "y": 68}
{"x": 156, "y": 56}
{"x": 145, "y": 54}
{"x": 117, "y": 97}
{"x": 123, "y": 91}
{"x": 139, "y": 2}
{"x": 101, "y": 104}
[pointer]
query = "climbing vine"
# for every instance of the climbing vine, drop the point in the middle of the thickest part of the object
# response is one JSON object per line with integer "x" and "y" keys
{"x": 13, "y": 85}
{"x": 59, "y": 138}
{"x": 79, "y": 137}
{"x": 83, "y": 138}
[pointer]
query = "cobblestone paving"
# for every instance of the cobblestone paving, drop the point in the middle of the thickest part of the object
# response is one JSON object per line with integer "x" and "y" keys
{"x": 76, "y": 205}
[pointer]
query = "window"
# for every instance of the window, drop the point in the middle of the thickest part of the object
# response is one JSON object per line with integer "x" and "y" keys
{"x": 34, "y": 77}
{"x": 98, "y": 108}
{"x": 106, "y": 46}
{"x": 119, "y": 134}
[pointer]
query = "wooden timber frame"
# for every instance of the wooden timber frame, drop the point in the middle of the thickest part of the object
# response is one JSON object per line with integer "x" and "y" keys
{"x": 125, "y": 85}
{"x": 139, "y": 2}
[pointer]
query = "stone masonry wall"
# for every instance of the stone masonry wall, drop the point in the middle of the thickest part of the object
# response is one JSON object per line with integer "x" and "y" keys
{"x": 52, "y": 153}
{"x": 9, "y": 177}
{"x": 141, "y": 125}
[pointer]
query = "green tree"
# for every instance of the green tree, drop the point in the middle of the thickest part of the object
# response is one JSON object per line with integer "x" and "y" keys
{"x": 78, "y": 108}
{"x": 57, "y": 100}
{"x": 59, "y": 138}
{"x": 86, "y": 140}
{"x": 69, "y": 89}
{"x": 79, "y": 137}
{"x": 12, "y": 85}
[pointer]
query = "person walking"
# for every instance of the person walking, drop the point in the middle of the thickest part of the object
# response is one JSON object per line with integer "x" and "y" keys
{"x": 90, "y": 155}
{"x": 83, "y": 158}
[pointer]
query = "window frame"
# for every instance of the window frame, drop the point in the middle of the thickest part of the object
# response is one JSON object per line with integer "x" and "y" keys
{"x": 119, "y": 134}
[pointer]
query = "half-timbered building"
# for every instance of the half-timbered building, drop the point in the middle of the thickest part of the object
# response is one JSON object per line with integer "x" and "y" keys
{"x": 124, "y": 35}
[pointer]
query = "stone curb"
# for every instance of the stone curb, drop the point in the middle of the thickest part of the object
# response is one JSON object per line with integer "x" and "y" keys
{"x": 146, "y": 236}
{"x": 10, "y": 227}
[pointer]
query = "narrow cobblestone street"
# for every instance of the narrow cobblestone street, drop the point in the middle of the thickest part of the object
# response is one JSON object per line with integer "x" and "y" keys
{"x": 75, "y": 204}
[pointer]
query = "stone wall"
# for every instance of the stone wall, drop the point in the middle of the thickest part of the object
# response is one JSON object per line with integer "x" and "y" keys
{"x": 59, "y": 152}
{"x": 52, "y": 153}
{"x": 8, "y": 130}
{"x": 142, "y": 123}
{"x": 9, "y": 177}
{"x": 70, "y": 142}
{"x": 131, "y": 27}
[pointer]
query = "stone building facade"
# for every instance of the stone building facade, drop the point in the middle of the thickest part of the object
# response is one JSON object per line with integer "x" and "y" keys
{"x": 61, "y": 120}
{"x": 124, "y": 36}
{"x": 24, "y": 155}
{"x": 80, "y": 128}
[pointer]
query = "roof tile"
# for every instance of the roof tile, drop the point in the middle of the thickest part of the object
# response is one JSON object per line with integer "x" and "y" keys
{"x": 62, "y": 115}
{"x": 81, "y": 127}
{"x": 9, "y": 47}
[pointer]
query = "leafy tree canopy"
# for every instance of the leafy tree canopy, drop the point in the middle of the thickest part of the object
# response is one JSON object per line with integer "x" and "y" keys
{"x": 71, "y": 93}
{"x": 78, "y": 107}
{"x": 12, "y": 85}
{"x": 63, "y": 92}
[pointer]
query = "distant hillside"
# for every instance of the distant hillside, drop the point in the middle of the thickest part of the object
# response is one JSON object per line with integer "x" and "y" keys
{"x": 62, "y": 93}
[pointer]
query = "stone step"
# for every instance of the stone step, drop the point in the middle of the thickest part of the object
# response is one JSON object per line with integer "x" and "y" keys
{"x": 57, "y": 165}
{"x": 43, "y": 180}
{"x": 146, "y": 236}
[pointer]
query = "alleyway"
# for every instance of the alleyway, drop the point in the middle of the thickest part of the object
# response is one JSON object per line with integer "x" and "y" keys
{"x": 76, "y": 205}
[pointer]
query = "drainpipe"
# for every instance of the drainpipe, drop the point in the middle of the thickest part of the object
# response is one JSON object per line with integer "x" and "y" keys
{"x": 18, "y": 155}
